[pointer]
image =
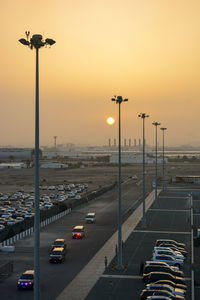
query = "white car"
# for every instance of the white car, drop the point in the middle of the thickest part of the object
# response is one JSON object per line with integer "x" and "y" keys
{"x": 11, "y": 222}
{"x": 2, "y": 227}
{"x": 78, "y": 197}
{"x": 167, "y": 251}
{"x": 60, "y": 188}
{"x": 28, "y": 215}
{"x": 48, "y": 205}
{"x": 168, "y": 259}
{"x": 52, "y": 188}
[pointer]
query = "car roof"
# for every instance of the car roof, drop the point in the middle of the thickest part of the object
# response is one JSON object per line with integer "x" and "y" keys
{"x": 78, "y": 227}
{"x": 91, "y": 213}
{"x": 58, "y": 249}
{"x": 63, "y": 240}
{"x": 29, "y": 272}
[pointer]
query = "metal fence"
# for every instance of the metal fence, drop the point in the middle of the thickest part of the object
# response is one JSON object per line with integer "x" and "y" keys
{"x": 29, "y": 231}
{"x": 6, "y": 269}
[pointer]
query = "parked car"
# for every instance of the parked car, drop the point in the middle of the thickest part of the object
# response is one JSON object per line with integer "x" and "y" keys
{"x": 167, "y": 269}
{"x": 145, "y": 293}
{"x": 155, "y": 276}
{"x": 159, "y": 263}
{"x": 167, "y": 251}
{"x": 168, "y": 259}
{"x": 171, "y": 283}
{"x": 174, "y": 291}
{"x": 172, "y": 242}
{"x": 2, "y": 227}
{"x": 175, "y": 248}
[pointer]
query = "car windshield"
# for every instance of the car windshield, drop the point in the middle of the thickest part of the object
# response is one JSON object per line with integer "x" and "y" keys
{"x": 56, "y": 252}
{"x": 58, "y": 243}
{"x": 77, "y": 230}
{"x": 27, "y": 276}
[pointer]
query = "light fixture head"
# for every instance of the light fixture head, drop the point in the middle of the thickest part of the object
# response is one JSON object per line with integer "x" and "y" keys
{"x": 24, "y": 42}
{"x": 50, "y": 42}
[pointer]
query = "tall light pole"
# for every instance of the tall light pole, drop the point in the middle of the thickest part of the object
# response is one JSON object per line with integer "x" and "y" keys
{"x": 36, "y": 42}
{"x": 119, "y": 100}
{"x": 143, "y": 116}
{"x": 156, "y": 124}
{"x": 163, "y": 173}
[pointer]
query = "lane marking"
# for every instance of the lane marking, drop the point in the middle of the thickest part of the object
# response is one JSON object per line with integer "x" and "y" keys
{"x": 156, "y": 231}
{"x": 131, "y": 277}
{"x": 170, "y": 210}
{"x": 122, "y": 276}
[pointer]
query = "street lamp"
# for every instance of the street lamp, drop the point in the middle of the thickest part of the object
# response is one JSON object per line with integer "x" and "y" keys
{"x": 163, "y": 173}
{"x": 156, "y": 124}
{"x": 119, "y": 100}
{"x": 143, "y": 116}
{"x": 36, "y": 42}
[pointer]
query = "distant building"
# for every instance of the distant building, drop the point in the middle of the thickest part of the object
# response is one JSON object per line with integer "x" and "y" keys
{"x": 12, "y": 165}
{"x": 129, "y": 157}
{"x": 53, "y": 166}
{"x": 16, "y": 154}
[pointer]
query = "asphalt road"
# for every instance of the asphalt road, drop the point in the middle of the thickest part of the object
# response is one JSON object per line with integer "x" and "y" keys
{"x": 54, "y": 278}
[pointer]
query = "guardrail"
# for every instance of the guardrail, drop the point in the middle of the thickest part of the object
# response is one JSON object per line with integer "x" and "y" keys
{"x": 29, "y": 231}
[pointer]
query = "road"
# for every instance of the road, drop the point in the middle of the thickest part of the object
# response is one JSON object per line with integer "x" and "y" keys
{"x": 54, "y": 278}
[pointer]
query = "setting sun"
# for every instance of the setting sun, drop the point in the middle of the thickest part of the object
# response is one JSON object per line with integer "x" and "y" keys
{"x": 110, "y": 120}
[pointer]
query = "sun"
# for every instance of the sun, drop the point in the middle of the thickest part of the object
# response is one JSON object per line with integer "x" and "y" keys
{"x": 110, "y": 121}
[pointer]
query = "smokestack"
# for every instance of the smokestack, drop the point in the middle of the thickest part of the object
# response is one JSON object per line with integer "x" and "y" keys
{"x": 115, "y": 144}
{"x": 129, "y": 142}
{"x": 139, "y": 142}
{"x": 135, "y": 144}
{"x": 109, "y": 143}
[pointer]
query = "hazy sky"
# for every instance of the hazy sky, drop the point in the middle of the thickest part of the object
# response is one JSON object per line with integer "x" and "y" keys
{"x": 145, "y": 50}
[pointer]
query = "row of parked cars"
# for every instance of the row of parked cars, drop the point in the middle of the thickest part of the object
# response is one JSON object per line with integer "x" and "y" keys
{"x": 163, "y": 275}
{"x": 16, "y": 207}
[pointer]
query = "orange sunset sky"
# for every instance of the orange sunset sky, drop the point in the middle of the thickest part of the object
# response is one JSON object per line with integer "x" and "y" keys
{"x": 145, "y": 50}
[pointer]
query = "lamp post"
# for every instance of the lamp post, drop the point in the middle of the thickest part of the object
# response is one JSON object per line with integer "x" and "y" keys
{"x": 156, "y": 124}
{"x": 163, "y": 173}
{"x": 36, "y": 42}
{"x": 143, "y": 116}
{"x": 119, "y": 100}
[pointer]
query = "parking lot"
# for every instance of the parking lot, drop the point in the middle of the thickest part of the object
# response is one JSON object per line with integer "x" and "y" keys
{"x": 171, "y": 220}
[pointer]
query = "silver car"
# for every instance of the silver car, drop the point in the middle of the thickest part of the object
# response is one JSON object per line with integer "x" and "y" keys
{"x": 168, "y": 259}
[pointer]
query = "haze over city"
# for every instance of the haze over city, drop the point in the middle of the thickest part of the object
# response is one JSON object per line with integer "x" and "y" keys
{"x": 146, "y": 51}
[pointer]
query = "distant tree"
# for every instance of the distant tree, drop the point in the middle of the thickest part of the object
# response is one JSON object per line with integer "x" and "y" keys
{"x": 11, "y": 157}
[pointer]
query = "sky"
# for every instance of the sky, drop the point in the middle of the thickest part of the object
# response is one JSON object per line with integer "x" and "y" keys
{"x": 143, "y": 50}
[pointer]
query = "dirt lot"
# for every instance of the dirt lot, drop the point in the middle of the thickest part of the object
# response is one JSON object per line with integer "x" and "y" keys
{"x": 11, "y": 180}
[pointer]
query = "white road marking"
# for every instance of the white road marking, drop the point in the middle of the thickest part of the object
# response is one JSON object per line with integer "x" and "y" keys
{"x": 163, "y": 231}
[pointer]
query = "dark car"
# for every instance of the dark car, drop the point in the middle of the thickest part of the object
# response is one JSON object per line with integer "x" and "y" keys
{"x": 167, "y": 269}
{"x": 78, "y": 232}
{"x": 57, "y": 255}
{"x": 171, "y": 283}
{"x": 155, "y": 276}
{"x": 59, "y": 243}
{"x": 26, "y": 280}
{"x": 175, "y": 248}
{"x": 172, "y": 242}
{"x": 145, "y": 293}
